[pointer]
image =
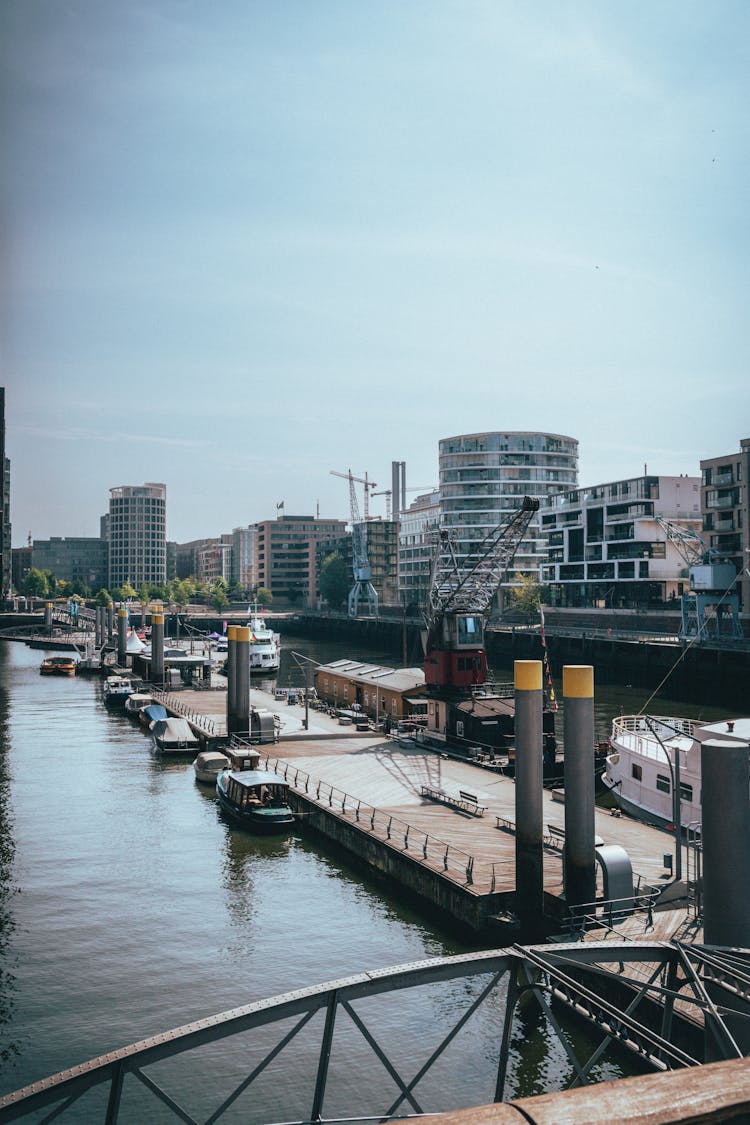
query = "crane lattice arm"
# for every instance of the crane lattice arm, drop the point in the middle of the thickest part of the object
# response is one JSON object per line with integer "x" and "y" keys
{"x": 688, "y": 543}
{"x": 468, "y": 584}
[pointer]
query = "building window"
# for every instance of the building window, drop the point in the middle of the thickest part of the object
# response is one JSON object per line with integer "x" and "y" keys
{"x": 636, "y": 772}
{"x": 662, "y": 783}
{"x": 686, "y": 792}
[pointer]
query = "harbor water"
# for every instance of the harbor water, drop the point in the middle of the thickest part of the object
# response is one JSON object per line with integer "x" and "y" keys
{"x": 128, "y": 906}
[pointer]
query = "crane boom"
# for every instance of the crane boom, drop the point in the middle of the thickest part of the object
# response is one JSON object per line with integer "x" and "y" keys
{"x": 363, "y": 587}
{"x": 688, "y": 543}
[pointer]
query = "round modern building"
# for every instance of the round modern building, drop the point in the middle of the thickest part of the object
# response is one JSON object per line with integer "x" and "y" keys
{"x": 484, "y": 478}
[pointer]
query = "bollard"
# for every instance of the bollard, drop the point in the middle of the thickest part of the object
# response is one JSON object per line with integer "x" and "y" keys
{"x": 48, "y": 616}
{"x": 242, "y": 680}
{"x": 578, "y": 734}
{"x": 231, "y": 679}
{"x": 529, "y": 791}
{"x": 122, "y": 638}
{"x": 157, "y": 648}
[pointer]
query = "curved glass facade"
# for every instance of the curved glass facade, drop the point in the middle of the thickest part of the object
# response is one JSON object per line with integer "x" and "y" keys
{"x": 484, "y": 478}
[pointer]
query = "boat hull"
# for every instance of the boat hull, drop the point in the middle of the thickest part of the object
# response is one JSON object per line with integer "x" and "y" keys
{"x": 261, "y": 822}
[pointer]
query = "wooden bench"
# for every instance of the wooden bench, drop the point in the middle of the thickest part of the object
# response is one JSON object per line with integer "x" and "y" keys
{"x": 464, "y": 802}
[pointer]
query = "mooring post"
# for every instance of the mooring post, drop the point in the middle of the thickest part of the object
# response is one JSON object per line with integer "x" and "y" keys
{"x": 242, "y": 680}
{"x": 122, "y": 637}
{"x": 231, "y": 679}
{"x": 578, "y": 735}
{"x": 529, "y": 792}
{"x": 157, "y": 648}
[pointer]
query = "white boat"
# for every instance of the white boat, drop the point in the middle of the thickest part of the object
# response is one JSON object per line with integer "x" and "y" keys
{"x": 640, "y": 769}
{"x": 117, "y": 689}
{"x": 174, "y": 736}
{"x": 265, "y": 645}
{"x": 209, "y": 764}
{"x": 135, "y": 703}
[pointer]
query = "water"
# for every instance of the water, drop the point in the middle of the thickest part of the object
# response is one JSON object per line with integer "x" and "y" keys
{"x": 128, "y": 906}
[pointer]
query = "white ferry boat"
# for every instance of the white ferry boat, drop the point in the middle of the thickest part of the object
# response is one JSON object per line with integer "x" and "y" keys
{"x": 265, "y": 645}
{"x": 640, "y": 768}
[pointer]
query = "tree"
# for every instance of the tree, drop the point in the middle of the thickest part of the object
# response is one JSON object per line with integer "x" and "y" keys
{"x": 263, "y": 596}
{"x": 36, "y": 584}
{"x": 219, "y": 599}
{"x": 335, "y": 580}
{"x": 125, "y": 592}
{"x": 144, "y": 597}
{"x": 103, "y": 598}
{"x": 526, "y": 593}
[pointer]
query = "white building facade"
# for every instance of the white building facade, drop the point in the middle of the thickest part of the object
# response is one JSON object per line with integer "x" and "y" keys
{"x": 607, "y": 549}
{"x": 484, "y": 478}
{"x": 138, "y": 535}
{"x": 415, "y": 549}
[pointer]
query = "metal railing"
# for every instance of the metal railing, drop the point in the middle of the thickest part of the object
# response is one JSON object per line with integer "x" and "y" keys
{"x": 314, "y": 1033}
{"x": 202, "y": 723}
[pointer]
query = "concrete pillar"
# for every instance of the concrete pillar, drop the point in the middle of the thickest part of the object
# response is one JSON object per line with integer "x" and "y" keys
{"x": 110, "y": 622}
{"x": 97, "y": 626}
{"x": 157, "y": 648}
{"x": 231, "y": 679}
{"x": 529, "y": 787}
{"x": 725, "y": 786}
{"x": 725, "y": 801}
{"x": 48, "y": 616}
{"x": 578, "y": 735}
{"x": 242, "y": 680}
{"x": 122, "y": 637}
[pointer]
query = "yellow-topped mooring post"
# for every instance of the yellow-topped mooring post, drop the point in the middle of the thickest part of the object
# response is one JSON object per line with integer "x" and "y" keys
{"x": 529, "y": 790}
{"x": 48, "y": 616}
{"x": 157, "y": 648}
{"x": 578, "y": 735}
{"x": 242, "y": 680}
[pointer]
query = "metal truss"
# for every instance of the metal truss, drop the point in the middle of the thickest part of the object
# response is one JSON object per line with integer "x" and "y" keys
{"x": 633, "y": 995}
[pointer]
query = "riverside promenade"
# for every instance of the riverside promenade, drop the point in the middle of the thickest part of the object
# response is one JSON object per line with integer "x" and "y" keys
{"x": 439, "y": 827}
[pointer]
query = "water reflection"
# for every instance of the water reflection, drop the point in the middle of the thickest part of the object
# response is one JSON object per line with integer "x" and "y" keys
{"x": 9, "y": 1047}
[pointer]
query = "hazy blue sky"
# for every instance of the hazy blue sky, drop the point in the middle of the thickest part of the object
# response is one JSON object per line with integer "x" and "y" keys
{"x": 245, "y": 243}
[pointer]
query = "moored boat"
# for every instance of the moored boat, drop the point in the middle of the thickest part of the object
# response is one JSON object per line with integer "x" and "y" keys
{"x": 152, "y": 713}
{"x": 117, "y": 689}
{"x": 58, "y": 666}
{"x": 647, "y": 753}
{"x": 255, "y": 799}
{"x": 265, "y": 645}
{"x": 135, "y": 703}
{"x": 209, "y": 764}
{"x": 174, "y": 736}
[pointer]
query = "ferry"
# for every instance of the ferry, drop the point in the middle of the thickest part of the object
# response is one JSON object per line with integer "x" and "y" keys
{"x": 255, "y": 799}
{"x": 58, "y": 666}
{"x": 265, "y": 645}
{"x": 639, "y": 770}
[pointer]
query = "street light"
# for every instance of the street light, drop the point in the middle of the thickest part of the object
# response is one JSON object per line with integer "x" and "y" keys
{"x": 674, "y": 773}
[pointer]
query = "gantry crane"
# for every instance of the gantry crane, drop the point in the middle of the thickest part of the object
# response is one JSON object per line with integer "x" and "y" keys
{"x": 461, "y": 591}
{"x": 363, "y": 589}
{"x": 710, "y": 609}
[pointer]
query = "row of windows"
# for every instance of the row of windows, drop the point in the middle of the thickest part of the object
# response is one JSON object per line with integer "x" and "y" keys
{"x": 663, "y": 783}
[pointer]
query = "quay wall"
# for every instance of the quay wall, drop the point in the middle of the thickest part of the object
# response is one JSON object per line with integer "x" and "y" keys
{"x": 469, "y": 909}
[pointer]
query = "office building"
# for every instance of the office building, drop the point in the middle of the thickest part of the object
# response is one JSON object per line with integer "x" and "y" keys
{"x": 5, "y": 528}
{"x": 137, "y": 535}
{"x": 415, "y": 549}
{"x": 725, "y": 509}
{"x": 75, "y": 559}
{"x": 286, "y": 556}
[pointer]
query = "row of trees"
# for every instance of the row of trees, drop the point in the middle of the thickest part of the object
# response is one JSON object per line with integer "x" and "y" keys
{"x": 178, "y": 591}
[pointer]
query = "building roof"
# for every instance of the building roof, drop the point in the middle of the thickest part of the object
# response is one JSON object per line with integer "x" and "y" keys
{"x": 396, "y": 679}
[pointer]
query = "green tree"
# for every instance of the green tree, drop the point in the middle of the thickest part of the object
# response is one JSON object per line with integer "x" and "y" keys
{"x": 263, "y": 596}
{"x": 125, "y": 592}
{"x": 335, "y": 580}
{"x": 35, "y": 584}
{"x": 104, "y": 598}
{"x": 219, "y": 599}
{"x": 526, "y": 593}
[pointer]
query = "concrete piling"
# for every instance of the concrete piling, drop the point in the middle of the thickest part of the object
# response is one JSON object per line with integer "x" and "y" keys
{"x": 242, "y": 681}
{"x": 122, "y": 638}
{"x": 528, "y": 794}
{"x": 231, "y": 679}
{"x": 157, "y": 648}
{"x": 578, "y": 734}
{"x": 48, "y": 616}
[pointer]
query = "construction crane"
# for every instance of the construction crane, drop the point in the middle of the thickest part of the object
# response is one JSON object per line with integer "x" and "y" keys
{"x": 461, "y": 591}
{"x": 365, "y": 480}
{"x": 688, "y": 543}
{"x": 711, "y": 607}
{"x": 363, "y": 589}
{"x": 387, "y": 493}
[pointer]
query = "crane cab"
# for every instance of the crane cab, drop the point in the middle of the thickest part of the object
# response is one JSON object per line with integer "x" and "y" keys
{"x": 458, "y": 660}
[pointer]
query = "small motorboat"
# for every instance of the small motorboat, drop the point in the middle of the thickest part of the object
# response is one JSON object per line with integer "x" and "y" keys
{"x": 209, "y": 764}
{"x": 117, "y": 689}
{"x": 58, "y": 666}
{"x": 255, "y": 799}
{"x": 174, "y": 736}
{"x": 152, "y": 713}
{"x": 135, "y": 703}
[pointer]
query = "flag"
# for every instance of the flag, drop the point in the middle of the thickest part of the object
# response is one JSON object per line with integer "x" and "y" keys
{"x": 223, "y": 626}
{"x": 280, "y": 506}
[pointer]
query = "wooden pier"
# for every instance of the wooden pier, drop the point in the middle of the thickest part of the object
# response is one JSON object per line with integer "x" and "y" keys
{"x": 374, "y": 796}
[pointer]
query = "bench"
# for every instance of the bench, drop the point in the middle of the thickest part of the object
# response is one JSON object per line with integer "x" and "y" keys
{"x": 464, "y": 802}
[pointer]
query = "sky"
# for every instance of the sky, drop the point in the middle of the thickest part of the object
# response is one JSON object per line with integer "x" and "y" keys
{"x": 248, "y": 243}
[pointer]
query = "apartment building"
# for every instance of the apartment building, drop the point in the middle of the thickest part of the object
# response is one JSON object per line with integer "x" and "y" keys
{"x": 607, "y": 548}
{"x": 137, "y": 535}
{"x": 726, "y": 513}
{"x": 286, "y": 550}
{"x": 415, "y": 548}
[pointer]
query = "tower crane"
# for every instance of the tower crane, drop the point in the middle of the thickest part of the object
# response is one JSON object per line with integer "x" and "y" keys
{"x": 363, "y": 589}
{"x": 387, "y": 493}
{"x": 710, "y": 609}
{"x": 461, "y": 590}
{"x": 365, "y": 480}
{"x": 688, "y": 543}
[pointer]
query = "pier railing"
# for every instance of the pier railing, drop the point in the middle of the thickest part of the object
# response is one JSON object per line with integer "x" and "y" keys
{"x": 201, "y": 722}
{"x": 421, "y": 846}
